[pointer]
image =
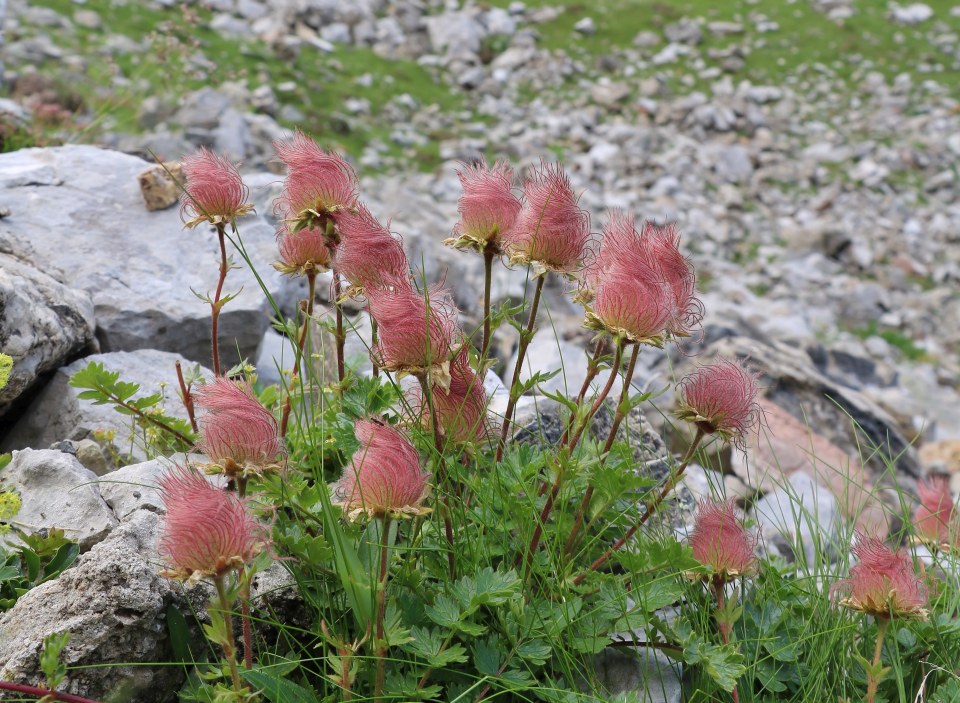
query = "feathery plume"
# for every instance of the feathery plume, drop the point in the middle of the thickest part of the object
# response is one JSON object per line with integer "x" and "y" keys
{"x": 238, "y": 434}
{"x": 936, "y": 520}
{"x": 206, "y": 531}
{"x": 640, "y": 285}
{"x": 367, "y": 255}
{"x": 720, "y": 398}
{"x": 383, "y": 476}
{"x": 551, "y": 232}
{"x": 721, "y": 542}
{"x": 417, "y": 335}
{"x": 488, "y": 208}
{"x": 302, "y": 252}
{"x": 462, "y": 410}
{"x": 319, "y": 184}
{"x": 214, "y": 192}
{"x": 883, "y": 582}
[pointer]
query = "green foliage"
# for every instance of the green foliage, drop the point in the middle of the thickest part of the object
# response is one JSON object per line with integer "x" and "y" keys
{"x": 6, "y": 365}
{"x": 41, "y": 557}
{"x": 53, "y": 669}
{"x": 160, "y": 432}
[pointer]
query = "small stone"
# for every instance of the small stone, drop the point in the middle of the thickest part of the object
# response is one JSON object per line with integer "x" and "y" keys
{"x": 586, "y": 27}
{"x": 914, "y": 13}
{"x": 685, "y": 31}
{"x": 88, "y": 19}
{"x": 647, "y": 39}
{"x": 158, "y": 187}
{"x": 91, "y": 455}
{"x": 610, "y": 94}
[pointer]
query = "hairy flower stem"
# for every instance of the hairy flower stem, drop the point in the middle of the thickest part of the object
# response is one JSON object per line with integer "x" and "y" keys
{"x": 555, "y": 490}
{"x": 488, "y": 254}
{"x": 380, "y": 641}
{"x": 298, "y": 356}
{"x": 873, "y": 680}
{"x": 427, "y": 388}
{"x": 187, "y": 398}
{"x": 229, "y": 644}
{"x": 246, "y": 629}
{"x": 525, "y": 337}
{"x": 723, "y": 626}
{"x": 593, "y": 370}
{"x": 340, "y": 336}
{"x": 43, "y": 693}
{"x": 215, "y": 304}
{"x": 611, "y": 438}
{"x": 651, "y": 508}
{"x": 374, "y": 338}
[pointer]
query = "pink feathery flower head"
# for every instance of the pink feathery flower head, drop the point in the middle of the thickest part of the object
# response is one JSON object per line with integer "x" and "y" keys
{"x": 418, "y": 334}
{"x": 319, "y": 183}
{"x": 720, "y": 398}
{"x": 462, "y": 410}
{"x": 721, "y": 542}
{"x": 384, "y": 476}
{"x": 207, "y": 531}
{"x": 302, "y": 252}
{"x": 551, "y": 232}
{"x": 936, "y": 520}
{"x": 883, "y": 582}
{"x": 238, "y": 434}
{"x": 368, "y": 255}
{"x": 214, "y": 192}
{"x": 488, "y": 208}
{"x": 640, "y": 285}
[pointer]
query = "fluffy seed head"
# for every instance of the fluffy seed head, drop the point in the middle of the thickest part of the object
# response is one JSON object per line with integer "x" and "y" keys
{"x": 415, "y": 336}
{"x": 488, "y": 208}
{"x": 551, "y": 232}
{"x": 302, "y": 252}
{"x": 207, "y": 531}
{"x": 318, "y": 183}
{"x": 462, "y": 410}
{"x": 214, "y": 192}
{"x": 367, "y": 255}
{"x": 640, "y": 285}
{"x": 721, "y": 542}
{"x": 720, "y": 398}
{"x": 936, "y": 520}
{"x": 384, "y": 475}
{"x": 239, "y": 435}
{"x": 883, "y": 582}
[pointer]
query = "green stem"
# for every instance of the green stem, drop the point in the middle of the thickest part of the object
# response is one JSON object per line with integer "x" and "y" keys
{"x": 215, "y": 305}
{"x": 298, "y": 356}
{"x": 229, "y": 646}
{"x": 650, "y": 509}
{"x": 611, "y": 438}
{"x": 488, "y": 254}
{"x": 380, "y": 642}
{"x": 525, "y": 337}
{"x": 427, "y": 389}
{"x": 873, "y": 681}
{"x": 340, "y": 336}
{"x": 723, "y": 626}
{"x": 593, "y": 370}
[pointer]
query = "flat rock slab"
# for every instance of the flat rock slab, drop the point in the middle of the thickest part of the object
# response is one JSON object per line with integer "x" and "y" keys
{"x": 58, "y": 413}
{"x": 81, "y": 209}
{"x": 42, "y": 321}
{"x": 56, "y": 491}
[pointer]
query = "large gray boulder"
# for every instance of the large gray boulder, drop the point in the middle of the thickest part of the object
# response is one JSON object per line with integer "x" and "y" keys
{"x": 59, "y": 413}
{"x": 113, "y": 602}
{"x": 81, "y": 209}
{"x": 56, "y": 491}
{"x": 42, "y": 321}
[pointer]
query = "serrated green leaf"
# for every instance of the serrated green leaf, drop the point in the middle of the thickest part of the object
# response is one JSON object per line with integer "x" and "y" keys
{"x": 535, "y": 651}
{"x": 949, "y": 692}
{"x": 487, "y": 657}
{"x": 657, "y": 594}
{"x": 444, "y": 612}
{"x": 486, "y": 587}
{"x": 723, "y": 664}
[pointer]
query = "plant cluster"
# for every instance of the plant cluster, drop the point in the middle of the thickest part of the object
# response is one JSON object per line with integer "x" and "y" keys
{"x": 436, "y": 558}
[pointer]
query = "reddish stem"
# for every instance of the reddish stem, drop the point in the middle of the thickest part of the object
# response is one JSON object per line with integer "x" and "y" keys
{"x": 215, "y": 305}
{"x": 187, "y": 397}
{"x": 340, "y": 335}
{"x": 611, "y": 438}
{"x": 650, "y": 509}
{"x": 593, "y": 370}
{"x": 614, "y": 371}
{"x": 41, "y": 692}
{"x": 525, "y": 338}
